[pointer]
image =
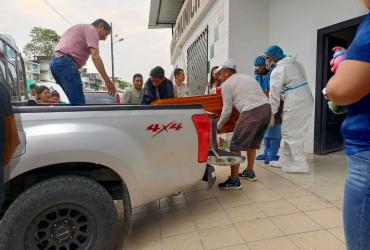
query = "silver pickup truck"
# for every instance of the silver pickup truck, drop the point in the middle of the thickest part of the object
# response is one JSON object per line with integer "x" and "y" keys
{"x": 73, "y": 162}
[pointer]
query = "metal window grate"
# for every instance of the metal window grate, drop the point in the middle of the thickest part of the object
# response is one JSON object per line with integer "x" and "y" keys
{"x": 197, "y": 64}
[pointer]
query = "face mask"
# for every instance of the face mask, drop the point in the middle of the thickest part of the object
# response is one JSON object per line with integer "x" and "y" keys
{"x": 269, "y": 65}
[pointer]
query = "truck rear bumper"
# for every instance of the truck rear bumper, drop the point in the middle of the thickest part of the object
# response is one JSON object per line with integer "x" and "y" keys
{"x": 224, "y": 158}
{"x": 210, "y": 176}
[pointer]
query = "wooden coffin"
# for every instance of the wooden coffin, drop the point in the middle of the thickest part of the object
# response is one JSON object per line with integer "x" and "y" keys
{"x": 211, "y": 103}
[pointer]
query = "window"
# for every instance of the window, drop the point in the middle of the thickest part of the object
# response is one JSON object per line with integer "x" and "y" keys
{"x": 12, "y": 72}
{"x": 197, "y": 64}
{"x": 22, "y": 80}
{"x": 2, "y": 64}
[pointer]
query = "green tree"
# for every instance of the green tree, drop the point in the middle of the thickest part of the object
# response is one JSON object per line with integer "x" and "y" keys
{"x": 95, "y": 86}
{"x": 122, "y": 84}
{"x": 43, "y": 42}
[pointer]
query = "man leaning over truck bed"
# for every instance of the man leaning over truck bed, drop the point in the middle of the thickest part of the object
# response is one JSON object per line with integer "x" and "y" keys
{"x": 74, "y": 48}
{"x": 156, "y": 87}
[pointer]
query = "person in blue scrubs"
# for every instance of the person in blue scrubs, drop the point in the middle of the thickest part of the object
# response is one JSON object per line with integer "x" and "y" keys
{"x": 272, "y": 137}
{"x": 350, "y": 87}
{"x": 262, "y": 74}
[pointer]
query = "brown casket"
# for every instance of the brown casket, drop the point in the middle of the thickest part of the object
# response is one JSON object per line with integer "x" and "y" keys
{"x": 211, "y": 103}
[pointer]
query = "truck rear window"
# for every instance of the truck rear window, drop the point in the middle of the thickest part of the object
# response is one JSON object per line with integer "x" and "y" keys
{"x": 12, "y": 72}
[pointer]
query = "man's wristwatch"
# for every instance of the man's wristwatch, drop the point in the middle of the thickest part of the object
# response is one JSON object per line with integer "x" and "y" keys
{"x": 325, "y": 94}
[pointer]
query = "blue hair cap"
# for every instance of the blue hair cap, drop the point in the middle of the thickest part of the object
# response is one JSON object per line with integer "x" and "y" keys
{"x": 260, "y": 60}
{"x": 275, "y": 52}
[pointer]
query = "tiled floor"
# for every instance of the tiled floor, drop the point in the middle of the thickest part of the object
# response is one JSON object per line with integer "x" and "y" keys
{"x": 279, "y": 211}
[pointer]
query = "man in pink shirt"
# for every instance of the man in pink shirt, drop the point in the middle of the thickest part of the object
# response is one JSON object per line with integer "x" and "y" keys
{"x": 73, "y": 50}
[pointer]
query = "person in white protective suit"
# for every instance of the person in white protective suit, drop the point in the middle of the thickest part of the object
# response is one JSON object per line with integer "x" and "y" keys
{"x": 288, "y": 81}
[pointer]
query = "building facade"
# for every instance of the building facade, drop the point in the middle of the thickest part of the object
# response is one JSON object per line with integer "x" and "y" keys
{"x": 206, "y": 33}
{"x": 32, "y": 71}
{"x": 44, "y": 65}
{"x": 92, "y": 81}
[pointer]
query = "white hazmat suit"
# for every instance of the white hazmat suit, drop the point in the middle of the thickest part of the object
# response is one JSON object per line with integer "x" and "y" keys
{"x": 288, "y": 81}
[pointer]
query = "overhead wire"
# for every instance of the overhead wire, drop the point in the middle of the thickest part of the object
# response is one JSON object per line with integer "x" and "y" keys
{"x": 67, "y": 21}
{"x": 56, "y": 11}
{"x": 64, "y": 18}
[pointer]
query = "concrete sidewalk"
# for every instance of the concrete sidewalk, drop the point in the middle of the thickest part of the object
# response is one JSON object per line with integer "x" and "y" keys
{"x": 278, "y": 212}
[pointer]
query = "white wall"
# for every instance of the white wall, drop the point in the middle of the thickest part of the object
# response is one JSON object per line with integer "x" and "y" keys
{"x": 293, "y": 24}
{"x": 46, "y": 76}
{"x": 220, "y": 20}
{"x": 248, "y": 27}
{"x": 212, "y": 20}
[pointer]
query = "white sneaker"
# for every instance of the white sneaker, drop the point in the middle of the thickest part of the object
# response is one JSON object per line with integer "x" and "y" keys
{"x": 275, "y": 164}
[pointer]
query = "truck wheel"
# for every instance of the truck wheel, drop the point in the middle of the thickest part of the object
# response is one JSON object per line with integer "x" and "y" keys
{"x": 62, "y": 213}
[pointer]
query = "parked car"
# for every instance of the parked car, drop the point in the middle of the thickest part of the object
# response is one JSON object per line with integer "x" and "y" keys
{"x": 101, "y": 97}
{"x": 74, "y": 161}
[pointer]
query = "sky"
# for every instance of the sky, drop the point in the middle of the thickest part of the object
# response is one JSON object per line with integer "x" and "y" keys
{"x": 141, "y": 50}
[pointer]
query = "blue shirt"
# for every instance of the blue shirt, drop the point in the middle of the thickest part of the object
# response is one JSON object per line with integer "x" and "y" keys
{"x": 264, "y": 81}
{"x": 5, "y": 110}
{"x": 356, "y": 127}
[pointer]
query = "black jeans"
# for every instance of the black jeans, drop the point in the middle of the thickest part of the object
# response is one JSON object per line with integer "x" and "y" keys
{"x": 2, "y": 147}
{"x": 2, "y": 193}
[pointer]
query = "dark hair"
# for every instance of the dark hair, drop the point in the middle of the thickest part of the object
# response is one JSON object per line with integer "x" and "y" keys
{"x": 177, "y": 71}
{"x": 136, "y": 76}
{"x": 54, "y": 93}
{"x": 211, "y": 79}
{"x": 41, "y": 89}
{"x": 33, "y": 86}
{"x": 106, "y": 25}
{"x": 157, "y": 72}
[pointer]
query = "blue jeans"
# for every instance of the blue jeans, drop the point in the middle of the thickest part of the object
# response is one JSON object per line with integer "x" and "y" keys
{"x": 356, "y": 210}
{"x": 66, "y": 74}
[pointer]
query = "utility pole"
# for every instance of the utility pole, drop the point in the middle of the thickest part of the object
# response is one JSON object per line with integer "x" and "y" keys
{"x": 111, "y": 50}
{"x": 112, "y": 42}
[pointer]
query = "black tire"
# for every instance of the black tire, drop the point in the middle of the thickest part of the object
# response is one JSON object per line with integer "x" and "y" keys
{"x": 61, "y": 213}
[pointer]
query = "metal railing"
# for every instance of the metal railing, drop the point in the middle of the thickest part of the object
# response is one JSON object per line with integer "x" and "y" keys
{"x": 197, "y": 64}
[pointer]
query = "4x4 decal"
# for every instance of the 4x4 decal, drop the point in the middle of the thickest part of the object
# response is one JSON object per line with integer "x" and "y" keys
{"x": 159, "y": 128}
